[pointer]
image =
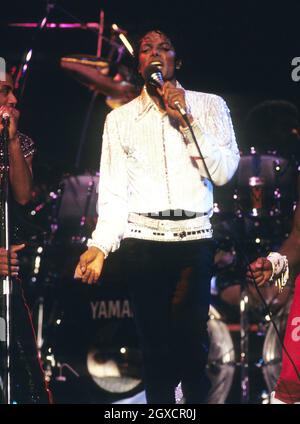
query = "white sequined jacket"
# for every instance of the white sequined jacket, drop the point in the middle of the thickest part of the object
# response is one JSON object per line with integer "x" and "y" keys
{"x": 149, "y": 164}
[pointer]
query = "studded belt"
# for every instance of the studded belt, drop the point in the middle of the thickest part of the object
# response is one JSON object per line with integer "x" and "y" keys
{"x": 147, "y": 228}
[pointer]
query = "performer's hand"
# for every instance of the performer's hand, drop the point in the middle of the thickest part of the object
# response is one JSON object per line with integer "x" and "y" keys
{"x": 261, "y": 271}
{"x": 14, "y": 117}
{"x": 170, "y": 95}
{"x": 14, "y": 263}
{"x": 90, "y": 265}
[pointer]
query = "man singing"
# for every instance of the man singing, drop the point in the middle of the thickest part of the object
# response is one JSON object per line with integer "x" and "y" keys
{"x": 155, "y": 202}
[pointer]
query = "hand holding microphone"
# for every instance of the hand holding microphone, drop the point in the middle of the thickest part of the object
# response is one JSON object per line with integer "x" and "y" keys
{"x": 9, "y": 117}
{"x": 173, "y": 97}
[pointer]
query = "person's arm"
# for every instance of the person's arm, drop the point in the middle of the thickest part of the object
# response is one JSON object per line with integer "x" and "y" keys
{"x": 291, "y": 246}
{"x": 112, "y": 205}
{"x": 90, "y": 265}
{"x": 216, "y": 141}
{"x": 262, "y": 268}
{"x": 20, "y": 172}
{"x": 20, "y": 168}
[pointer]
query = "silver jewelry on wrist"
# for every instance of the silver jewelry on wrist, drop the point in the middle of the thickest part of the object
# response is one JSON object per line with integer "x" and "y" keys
{"x": 280, "y": 269}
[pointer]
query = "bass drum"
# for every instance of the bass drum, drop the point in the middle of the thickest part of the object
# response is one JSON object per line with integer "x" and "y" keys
{"x": 221, "y": 361}
{"x": 74, "y": 213}
{"x": 264, "y": 185}
{"x": 93, "y": 348}
{"x": 90, "y": 346}
{"x": 221, "y": 358}
{"x": 272, "y": 349}
{"x": 91, "y": 352}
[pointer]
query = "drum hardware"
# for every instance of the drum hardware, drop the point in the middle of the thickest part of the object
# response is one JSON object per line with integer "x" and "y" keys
{"x": 94, "y": 26}
{"x": 70, "y": 62}
{"x": 5, "y": 281}
{"x": 40, "y": 320}
{"x": 85, "y": 128}
{"x": 256, "y": 187}
{"x": 103, "y": 367}
{"x": 272, "y": 348}
{"x": 50, "y": 364}
{"x": 56, "y": 200}
{"x": 265, "y": 397}
{"x": 61, "y": 377}
{"x": 244, "y": 309}
{"x": 76, "y": 199}
{"x": 221, "y": 360}
{"x": 244, "y": 346}
{"x": 90, "y": 342}
{"x": 75, "y": 206}
{"x": 103, "y": 76}
{"x": 216, "y": 208}
{"x": 268, "y": 357}
{"x": 260, "y": 188}
{"x": 97, "y": 73}
{"x": 94, "y": 73}
{"x": 74, "y": 210}
{"x": 90, "y": 190}
{"x": 122, "y": 35}
{"x": 253, "y": 328}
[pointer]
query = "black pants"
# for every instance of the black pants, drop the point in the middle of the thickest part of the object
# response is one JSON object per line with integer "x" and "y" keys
{"x": 169, "y": 284}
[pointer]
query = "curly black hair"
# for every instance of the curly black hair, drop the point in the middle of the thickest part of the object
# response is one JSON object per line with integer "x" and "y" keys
{"x": 136, "y": 41}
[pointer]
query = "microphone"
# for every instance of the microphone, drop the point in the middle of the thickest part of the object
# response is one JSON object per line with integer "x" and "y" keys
{"x": 154, "y": 77}
{"x": 4, "y": 135}
{"x": 5, "y": 119}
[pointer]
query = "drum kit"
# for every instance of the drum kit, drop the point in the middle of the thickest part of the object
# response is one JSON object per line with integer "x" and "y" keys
{"x": 86, "y": 335}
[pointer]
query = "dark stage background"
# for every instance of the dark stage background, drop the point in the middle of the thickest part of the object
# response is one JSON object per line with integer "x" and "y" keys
{"x": 241, "y": 50}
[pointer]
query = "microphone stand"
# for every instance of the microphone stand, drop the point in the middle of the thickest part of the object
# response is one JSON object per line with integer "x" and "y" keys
{"x": 22, "y": 74}
{"x": 244, "y": 345}
{"x": 6, "y": 282}
{"x": 93, "y": 97}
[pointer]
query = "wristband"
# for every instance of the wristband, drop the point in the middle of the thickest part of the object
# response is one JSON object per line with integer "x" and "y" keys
{"x": 280, "y": 269}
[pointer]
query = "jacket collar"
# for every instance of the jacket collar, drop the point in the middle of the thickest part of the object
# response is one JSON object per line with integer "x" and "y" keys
{"x": 146, "y": 103}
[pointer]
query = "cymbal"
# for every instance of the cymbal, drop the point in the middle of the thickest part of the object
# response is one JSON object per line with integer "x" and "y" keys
{"x": 92, "y": 72}
{"x": 126, "y": 93}
{"x": 70, "y": 63}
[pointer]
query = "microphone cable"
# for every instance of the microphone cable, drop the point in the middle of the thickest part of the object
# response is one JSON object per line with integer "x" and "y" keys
{"x": 247, "y": 262}
{"x": 154, "y": 77}
{"x": 187, "y": 121}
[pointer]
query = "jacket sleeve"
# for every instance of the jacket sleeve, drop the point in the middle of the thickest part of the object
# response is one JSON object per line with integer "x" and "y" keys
{"x": 216, "y": 139}
{"x": 112, "y": 197}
